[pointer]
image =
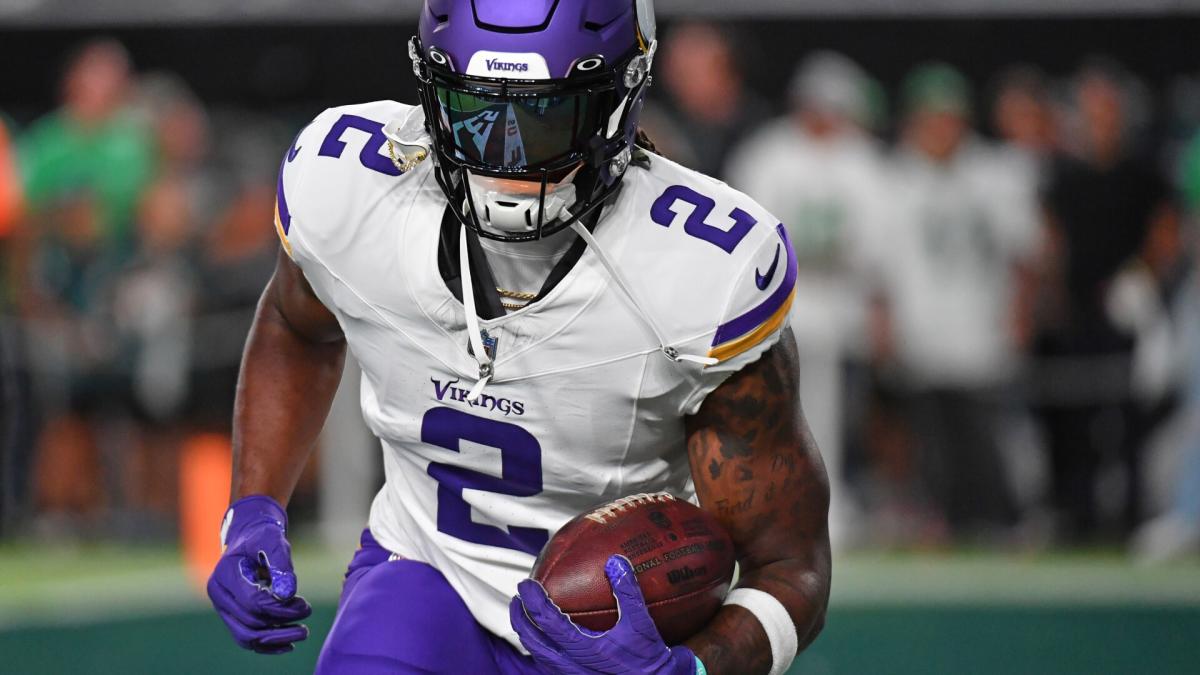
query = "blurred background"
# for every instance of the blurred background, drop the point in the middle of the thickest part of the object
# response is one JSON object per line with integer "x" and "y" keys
{"x": 995, "y": 209}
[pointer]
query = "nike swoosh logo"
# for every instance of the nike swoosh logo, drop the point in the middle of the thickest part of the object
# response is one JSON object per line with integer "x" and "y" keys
{"x": 764, "y": 280}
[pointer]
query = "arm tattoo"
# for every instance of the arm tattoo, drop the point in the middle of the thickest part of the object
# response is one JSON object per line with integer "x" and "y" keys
{"x": 757, "y": 469}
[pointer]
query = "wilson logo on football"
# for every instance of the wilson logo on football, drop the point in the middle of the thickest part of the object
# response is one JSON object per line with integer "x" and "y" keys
{"x": 685, "y": 573}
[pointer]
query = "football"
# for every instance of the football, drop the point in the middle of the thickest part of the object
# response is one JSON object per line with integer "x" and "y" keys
{"x": 682, "y": 556}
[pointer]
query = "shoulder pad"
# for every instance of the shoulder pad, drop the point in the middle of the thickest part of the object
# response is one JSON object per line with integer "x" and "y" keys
{"x": 721, "y": 263}
{"x": 717, "y": 267}
{"x": 339, "y": 162}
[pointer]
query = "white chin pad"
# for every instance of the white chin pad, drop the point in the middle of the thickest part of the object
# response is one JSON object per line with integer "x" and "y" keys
{"x": 509, "y": 206}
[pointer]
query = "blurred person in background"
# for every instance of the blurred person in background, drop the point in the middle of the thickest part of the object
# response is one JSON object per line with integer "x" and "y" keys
{"x": 1022, "y": 114}
{"x": 11, "y": 207}
{"x": 961, "y": 233}
{"x": 234, "y": 259}
{"x": 10, "y": 184}
{"x": 1114, "y": 237}
{"x": 152, "y": 314}
{"x": 94, "y": 145}
{"x": 153, "y": 303}
{"x": 1023, "y": 118}
{"x": 817, "y": 170}
{"x": 1175, "y": 531}
{"x": 708, "y": 107}
{"x": 85, "y": 168}
{"x": 14, "y": 418}
{"x": 180, "y": 125}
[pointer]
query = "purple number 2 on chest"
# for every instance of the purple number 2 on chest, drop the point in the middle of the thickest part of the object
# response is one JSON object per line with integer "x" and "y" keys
{"x": 521, "y": 476}
{"x": 663, "y": 212}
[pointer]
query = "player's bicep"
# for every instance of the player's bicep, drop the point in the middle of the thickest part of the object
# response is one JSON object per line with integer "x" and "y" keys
{"x": 291, "y": 300}
{"x": 755, "y": 465}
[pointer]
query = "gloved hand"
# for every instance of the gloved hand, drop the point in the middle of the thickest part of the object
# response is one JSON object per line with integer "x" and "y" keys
{"x": 253, "y": 587}
{"x": 632, "y": 646}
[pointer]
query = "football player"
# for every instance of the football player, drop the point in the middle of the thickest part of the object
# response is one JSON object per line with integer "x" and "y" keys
{"x": 548, "y": 316}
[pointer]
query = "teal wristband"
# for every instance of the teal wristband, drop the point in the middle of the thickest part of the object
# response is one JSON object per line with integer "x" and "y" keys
{"x": 700, "y": 667}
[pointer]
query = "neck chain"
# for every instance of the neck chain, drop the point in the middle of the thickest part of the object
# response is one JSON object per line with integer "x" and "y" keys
{"x": 516, "y": 295}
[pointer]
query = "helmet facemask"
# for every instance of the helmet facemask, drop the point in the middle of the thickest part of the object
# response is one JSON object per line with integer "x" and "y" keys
{"x": 522, "y": 159}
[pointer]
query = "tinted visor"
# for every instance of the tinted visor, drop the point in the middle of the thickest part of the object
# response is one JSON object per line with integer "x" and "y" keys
{"x": 520, "y": 130}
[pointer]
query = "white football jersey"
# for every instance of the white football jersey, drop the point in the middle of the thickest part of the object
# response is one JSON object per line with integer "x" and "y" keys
{"x": 584, "y": 407}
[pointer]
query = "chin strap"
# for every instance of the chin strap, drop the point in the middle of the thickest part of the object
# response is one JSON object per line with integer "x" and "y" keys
{"x": 671, "y": 352}
{"x": 486, "y": 368}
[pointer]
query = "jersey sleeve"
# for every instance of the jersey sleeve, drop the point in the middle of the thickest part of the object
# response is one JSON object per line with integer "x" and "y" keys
{"x": 283, "y": 211}
{"x": 339, "y": 168}
{"x": 755, "y": 315}
{"x": 290, "y": 194}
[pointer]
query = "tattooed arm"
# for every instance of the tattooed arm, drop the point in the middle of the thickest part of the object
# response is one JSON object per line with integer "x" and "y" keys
{"x": 758, "y": 471}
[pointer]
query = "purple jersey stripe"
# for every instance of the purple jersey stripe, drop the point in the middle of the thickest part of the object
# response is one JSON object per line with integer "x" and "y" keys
{"x": 756, "y": 317}
{"x": 285, "y": 216}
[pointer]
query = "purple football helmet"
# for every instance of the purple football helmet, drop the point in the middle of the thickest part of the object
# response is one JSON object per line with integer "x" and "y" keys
{"x": 540, "y": 97}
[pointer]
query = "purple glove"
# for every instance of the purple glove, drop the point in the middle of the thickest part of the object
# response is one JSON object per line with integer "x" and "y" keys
{"x": 253, "y": 587}
{"x": 632, "y": 646}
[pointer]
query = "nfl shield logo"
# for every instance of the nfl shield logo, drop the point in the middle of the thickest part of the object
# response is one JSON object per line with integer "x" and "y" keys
{"x": 489, "y": 345}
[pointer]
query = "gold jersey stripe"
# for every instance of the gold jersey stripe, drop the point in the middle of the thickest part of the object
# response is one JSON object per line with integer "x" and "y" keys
{"x": 287, "y": 245}
{"x": 754, "y": 338}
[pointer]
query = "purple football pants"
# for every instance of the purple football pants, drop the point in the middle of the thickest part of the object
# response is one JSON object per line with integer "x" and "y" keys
{"x": 402, "y": 616}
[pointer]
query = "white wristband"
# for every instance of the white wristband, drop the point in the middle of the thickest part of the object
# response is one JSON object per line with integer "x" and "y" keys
{"x": 775, "y": 620}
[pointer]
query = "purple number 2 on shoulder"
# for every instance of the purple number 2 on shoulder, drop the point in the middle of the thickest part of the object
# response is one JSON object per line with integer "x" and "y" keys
{"x": 664, "y": 213}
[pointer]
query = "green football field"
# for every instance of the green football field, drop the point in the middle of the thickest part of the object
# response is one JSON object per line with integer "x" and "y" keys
{"x": 103, "y": 610}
